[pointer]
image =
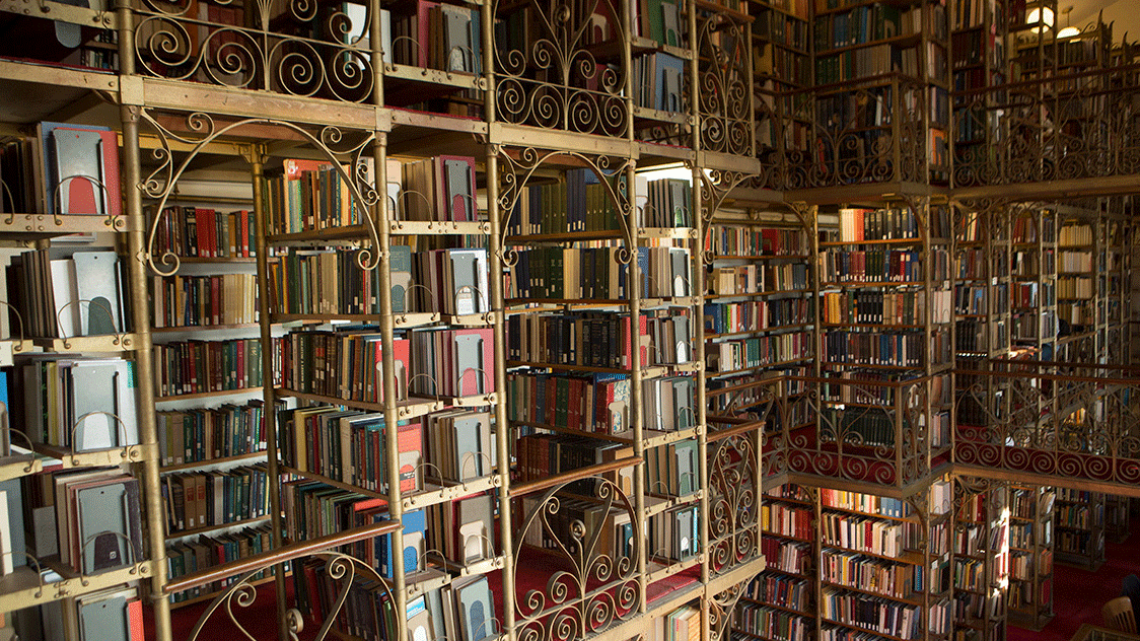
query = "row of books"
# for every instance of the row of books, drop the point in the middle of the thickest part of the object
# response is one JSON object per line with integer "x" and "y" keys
{"x": 760, "y": 351}
{"x": 1032, "y": 294}
{"x": 441, "y": 188}
{"x": 973, "y": 13}
{"x": 196, "y": 232}
{"x": 349, "y": 446}
{"x": 1026, "y": 566}
{"x": 972, "y": 264}
{"x": 863, "y": 24}
{"x": 865, "y": 503}
{"x": 757, "y": 279}
{"x": 669, "y": 203}
{"x": 1081, "y": 543}
{"x": 452, "y": 281}
{"x": 771, "y": 623}
{"x": 971, "y": 300}
{"x": 1075, "y": 261}
{"x": 590, "y": 403}
{"x": 884, "y": 266}
{"x": 1034, "y": 226}
{"x": 791, "y": 557}
{"x": 209, "y": 551}
{"x": 786, "y": 520}
{"x": 1076, "y": 314}
{"x": 791, "y": 67}
{"x": 675, "y": 534}
{"x": 774, "y": 26}
{"x": 332, "y": 282}
{"x": 310, "y": 195}
{"x": 863, "y": 534}
{"x": 1032, "y": 328}
{"x": 95, "y": 514}
{"x": 541, "y": 456}
{"x": 578, "y": 203}
{"x": 886, "y": 308}
{"x": 67, "y": 297}
{"x": 589, "y": 339}
{"x": 452, "y": 362}
{"x": 751, "y": 316}
{"x": 872, "y": 614}
{"x": 1022, "y": 534}
{"x": 438, "y": 36}
{"x": 198, "y": 367}
{"x": 749, "y": 241}
{"x": 314, "y": 509}
{"x": 460, "y": 445}
{"x": 78, "y": 403}
{"x": 682, "y": 624}
{"x": 208, "y": 434}
{"x": 970, "y": 574}
{"x": 1079, "y": 516}
{"x": 894, "y": 348}
{"x": 1075, "y": 236}
{"x": 781, "y": 590}
{"x": 867, "y": 573}
{"x": 659, "y": 83}
{"x": 863, "y": 386}
{"x": 972, "y": 538}
{"x": 194, "y": 301}
{"x": 597, "y": 273}
{"x": 62, "y": 169}
{"x": 463, "y": 530}
{"x": 671, "y": 470}
{"x": 195, "y": 500}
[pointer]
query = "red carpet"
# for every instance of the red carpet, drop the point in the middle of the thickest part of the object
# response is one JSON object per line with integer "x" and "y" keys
{"x": 1078, "y": 595}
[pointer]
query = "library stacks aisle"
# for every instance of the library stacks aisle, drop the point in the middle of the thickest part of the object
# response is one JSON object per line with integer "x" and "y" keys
{"x": 750, "y": 320}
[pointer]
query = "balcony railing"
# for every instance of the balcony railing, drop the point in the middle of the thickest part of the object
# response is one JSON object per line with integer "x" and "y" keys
{"x": 1065, "y": 422}
{"x": 1083, "y": 125}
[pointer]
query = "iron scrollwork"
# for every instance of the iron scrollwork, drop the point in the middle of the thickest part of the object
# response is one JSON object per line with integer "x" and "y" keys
{"x": 295, "y": 47}
{"x": 339, "y": 147}
{"x": 557, "y": 79}
{"x": 590, "y": 587}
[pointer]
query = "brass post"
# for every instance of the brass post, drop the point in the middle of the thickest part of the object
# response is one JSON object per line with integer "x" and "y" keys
{"x": 634, "y": 293}
{"x": 256, "y": 160}
{"x": 391, "y": 414}
{"x": 140, "y": 318}
{"x": 502, "y": 428}
{"x": 144, "y": 367}
{"x": 698, "y": 288}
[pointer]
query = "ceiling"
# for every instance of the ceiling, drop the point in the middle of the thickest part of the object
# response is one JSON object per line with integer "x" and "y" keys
{"x": 1121, "y": 12}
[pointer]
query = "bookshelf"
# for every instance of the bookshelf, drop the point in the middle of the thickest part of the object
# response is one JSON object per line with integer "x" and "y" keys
{"x": 1033, "y": 266}
{"x": 982, "y": 314}
{"x": 1031, "y": 556}
{"x": 978, "y": 62}
{"x": 523, "y": 117}
{"x": 1078, "y": 246}
{"x": 760, "y": 301}
{"x": 783, "y": 597}
{"x": 1080, "y": 528}
{"x": 1117, "y": 518}
{"x": 209, "y": 382}
{"x": 87, "y": 473}
{"x": 981, "y": 559}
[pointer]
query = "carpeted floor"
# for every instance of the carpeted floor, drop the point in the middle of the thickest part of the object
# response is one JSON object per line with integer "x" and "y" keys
{"x": 1078, "y": 595}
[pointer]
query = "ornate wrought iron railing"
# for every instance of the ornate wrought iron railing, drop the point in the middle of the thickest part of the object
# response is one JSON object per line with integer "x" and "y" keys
{"x": 837, "y": 135}
{"x": 866, "y": 431}
{"x": 1083, "y": 125}
{"x": 1068, "y": 423}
